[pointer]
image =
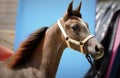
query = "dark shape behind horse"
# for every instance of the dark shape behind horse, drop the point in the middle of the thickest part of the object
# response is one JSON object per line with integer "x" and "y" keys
{"x": 108, "y": 28}
{"x": 39, "y": 55}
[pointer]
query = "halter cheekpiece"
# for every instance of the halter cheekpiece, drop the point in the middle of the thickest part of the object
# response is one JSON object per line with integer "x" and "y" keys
{"x": 68, "y": 39}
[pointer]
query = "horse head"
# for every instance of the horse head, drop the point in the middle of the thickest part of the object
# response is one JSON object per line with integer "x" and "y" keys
{"x": 76, "y": 33}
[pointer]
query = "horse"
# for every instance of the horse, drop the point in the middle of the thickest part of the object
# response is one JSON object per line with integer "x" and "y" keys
{"x": 39, "y": 55}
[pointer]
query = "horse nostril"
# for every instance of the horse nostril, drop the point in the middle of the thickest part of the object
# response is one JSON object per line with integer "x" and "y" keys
{"x": 97, "y": 49}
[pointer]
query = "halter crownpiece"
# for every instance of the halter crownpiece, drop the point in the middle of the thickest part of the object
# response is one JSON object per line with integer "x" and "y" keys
{"x": 68, "y": 39}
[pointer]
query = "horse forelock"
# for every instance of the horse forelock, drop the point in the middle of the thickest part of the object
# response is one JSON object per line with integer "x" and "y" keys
{"x": 72, "y": 14}
{"x": 27, "y": 48}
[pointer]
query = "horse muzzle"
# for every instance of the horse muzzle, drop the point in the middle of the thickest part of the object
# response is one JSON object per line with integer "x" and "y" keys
{"x": 95, "y": 49}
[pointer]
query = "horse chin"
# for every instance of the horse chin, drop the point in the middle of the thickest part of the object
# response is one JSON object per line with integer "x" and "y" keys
{"x": 97, "y": 56}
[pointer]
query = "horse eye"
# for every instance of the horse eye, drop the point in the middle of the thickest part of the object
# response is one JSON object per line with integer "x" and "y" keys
{"x": 75, "y": 27}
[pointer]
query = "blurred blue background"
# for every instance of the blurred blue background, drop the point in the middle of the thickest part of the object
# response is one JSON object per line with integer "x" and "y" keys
{"x": 34, "y": 14}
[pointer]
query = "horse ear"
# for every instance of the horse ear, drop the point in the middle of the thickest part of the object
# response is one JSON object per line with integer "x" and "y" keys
{"x": 69, "y": 10}
{"x": 79, "y": 7}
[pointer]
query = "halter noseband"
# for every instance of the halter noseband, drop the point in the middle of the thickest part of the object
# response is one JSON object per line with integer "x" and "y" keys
{"x": 68, "y": 39}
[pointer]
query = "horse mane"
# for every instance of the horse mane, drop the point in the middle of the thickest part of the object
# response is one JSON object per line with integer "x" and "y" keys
{"x": 27, "y": 48}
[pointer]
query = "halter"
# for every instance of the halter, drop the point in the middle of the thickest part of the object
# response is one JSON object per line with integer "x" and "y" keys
{"x": 68, "y": 39}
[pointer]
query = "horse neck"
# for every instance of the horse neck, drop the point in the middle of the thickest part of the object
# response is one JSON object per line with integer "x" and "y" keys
{"x": 51, "y": 52}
